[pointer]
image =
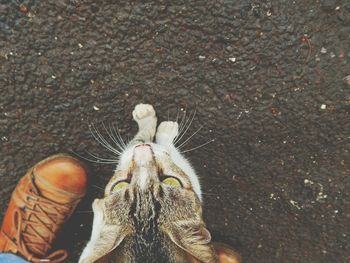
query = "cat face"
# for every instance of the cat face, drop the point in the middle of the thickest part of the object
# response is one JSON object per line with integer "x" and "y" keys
{"x": 148, "y": 179}
{"x": 145, "y": 166}
{"x": 153, "y": 200}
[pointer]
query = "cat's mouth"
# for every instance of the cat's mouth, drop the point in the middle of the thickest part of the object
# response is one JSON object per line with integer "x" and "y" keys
{"x": 143, "y": 154}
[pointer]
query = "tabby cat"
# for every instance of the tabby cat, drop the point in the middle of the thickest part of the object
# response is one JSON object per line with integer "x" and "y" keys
{"x": 152, "y": 211}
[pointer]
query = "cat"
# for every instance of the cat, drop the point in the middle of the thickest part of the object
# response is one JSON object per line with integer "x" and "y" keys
{"x": 152, "y": 210}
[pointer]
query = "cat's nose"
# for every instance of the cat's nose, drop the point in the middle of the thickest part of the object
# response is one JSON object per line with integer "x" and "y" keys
{"x": 143, "y": 154}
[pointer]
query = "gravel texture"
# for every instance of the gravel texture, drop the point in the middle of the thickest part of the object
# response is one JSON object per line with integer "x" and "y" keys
{"x": 270, "y": 81}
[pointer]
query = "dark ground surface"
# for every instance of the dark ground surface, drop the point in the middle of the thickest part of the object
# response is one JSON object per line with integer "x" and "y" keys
{"x": 266, "y": 77}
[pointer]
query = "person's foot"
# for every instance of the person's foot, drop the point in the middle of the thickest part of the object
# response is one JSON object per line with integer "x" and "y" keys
{"x": 41, "y": 203}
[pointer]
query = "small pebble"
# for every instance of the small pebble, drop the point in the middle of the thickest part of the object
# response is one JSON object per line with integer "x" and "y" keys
{"x": 80, "y": 45}
{"x": 323, "y": 50}
{"x": 232, "y": 59}
{"x": 295, "y": 204}
{"x": 307, "y": 181}
{"x": 201, "y": 57}
{"x": 23, "y": 9}
{"x": 323, "y": 106}
{"x": 341, "y": 54}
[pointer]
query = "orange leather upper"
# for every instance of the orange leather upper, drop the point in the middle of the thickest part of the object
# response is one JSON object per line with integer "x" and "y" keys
{"x": 42, "y": 201}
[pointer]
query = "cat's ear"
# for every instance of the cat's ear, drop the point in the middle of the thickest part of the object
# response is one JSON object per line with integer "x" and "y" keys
{"x": 194, "y": 239}
{"x": 104, "y": 238}
{"x": 226, "y": 254}
{"x": 109, "y": 238}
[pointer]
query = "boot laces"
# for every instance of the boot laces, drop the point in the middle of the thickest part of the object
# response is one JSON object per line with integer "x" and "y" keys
{"x": 38, "y": 212}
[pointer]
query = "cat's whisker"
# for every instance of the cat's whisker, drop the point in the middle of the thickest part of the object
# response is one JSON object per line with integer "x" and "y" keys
{"x": 119, "y": 136}
{"x": 177, "y": 115}
{"x": 181, "y": 126}
{"x": 199, "y": 146}
{"x": 98, "y": 137}
{"x": 101, "y": 158}
{"x": 183, "y": 119}
{"x": 189, "y": 138}
{"x": 105, "y": 141}
{"x": 98, "y": 187}
{"x": 188, "y": 126}
{"x": 116, "y": 140}
{"x": 111, "y": 136}
{"x": 186, "y": 120}
{"x": 97, "y": 161}
{"x": 93, "y": 161}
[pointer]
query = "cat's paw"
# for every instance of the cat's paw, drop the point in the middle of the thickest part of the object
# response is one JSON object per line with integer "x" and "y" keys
{"x": 143, "y": 111}
{"x": 145, "y": 116}
{"x": 167, "y": 132}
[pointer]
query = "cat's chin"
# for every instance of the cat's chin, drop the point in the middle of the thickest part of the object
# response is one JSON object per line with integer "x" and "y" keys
{"x": 143, "y": 154}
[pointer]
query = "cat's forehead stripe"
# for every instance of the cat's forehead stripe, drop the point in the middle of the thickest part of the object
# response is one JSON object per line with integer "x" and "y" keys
{"x": 148, "y": 241}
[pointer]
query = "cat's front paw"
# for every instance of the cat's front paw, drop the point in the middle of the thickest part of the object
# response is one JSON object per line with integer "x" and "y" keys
{"x": 167, "y": 132}
{"x": 145, "y": 116}
{"x": 143, "y": 111}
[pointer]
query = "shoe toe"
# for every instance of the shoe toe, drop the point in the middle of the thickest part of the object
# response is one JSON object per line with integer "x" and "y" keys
{"x": 62, "y": 172}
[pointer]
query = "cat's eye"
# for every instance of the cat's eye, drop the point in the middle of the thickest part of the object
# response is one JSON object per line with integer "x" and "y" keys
{"x": 172, "y": 182}
{"x": 119, "y": 186}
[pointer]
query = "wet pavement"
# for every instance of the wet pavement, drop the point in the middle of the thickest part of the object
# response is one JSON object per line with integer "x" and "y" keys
{"x": 269, "y": 81}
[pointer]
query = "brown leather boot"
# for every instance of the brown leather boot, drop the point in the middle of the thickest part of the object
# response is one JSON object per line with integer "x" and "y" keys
{"x": 41, "y": 203}
{"x": 226, "y": 254}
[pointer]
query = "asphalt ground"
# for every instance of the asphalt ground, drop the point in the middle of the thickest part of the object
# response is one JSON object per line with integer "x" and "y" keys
{"x": 269, "y": 81}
